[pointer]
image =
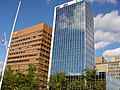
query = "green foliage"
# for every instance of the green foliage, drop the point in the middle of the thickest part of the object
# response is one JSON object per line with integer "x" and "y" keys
{"x": 91, "y": 83}
{"x": 57, "y": 81}
{"x": 8, "y": 81}
{"x": 60, "y": 81}
{"x": 21, "y": 81}
{"x": 31, "y": 78}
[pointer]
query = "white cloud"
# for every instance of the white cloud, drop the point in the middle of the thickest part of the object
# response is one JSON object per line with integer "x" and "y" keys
{"x": 107, "y": 29}
{"x": 108, "y": 22}
{"x": 101, "y": 1}
{"x": 102, "y": 44}
{"x": 107, "y": 36}
{"x": 107, "y": 32}
{"x": 110, "y": 53}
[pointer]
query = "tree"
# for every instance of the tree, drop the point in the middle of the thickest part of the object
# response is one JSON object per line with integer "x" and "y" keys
{"x": 60, "y": 81}
{"x": 57, "y": 81}
{"x": 91, "y": 82}
{"x": 43, "y": 79}
{"x": 21, "y": 81}
{"x": 32, "y": 81}
{"x": 90, "y": 79}
{"x": 8, "y": 80}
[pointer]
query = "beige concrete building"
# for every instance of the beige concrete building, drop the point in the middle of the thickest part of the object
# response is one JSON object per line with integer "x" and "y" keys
{"x": 31, "y": 46}
{"x": 109, "y": 65}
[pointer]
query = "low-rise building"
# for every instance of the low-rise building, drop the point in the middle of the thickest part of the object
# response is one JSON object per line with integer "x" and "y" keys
{"x": 110, "y": 81}
{"x": 109, "y": 65}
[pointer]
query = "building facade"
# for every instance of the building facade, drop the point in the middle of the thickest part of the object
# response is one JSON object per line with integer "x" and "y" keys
{"x": 112, "y": 83}
{"x": 109, "y": 82}
{"x": 73, "y": 38}
{"x": 109, "y": 65}
{"x": 31, "y": 46}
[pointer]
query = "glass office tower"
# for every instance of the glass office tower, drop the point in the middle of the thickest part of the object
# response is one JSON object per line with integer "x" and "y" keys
{"x": 73, "y": 38}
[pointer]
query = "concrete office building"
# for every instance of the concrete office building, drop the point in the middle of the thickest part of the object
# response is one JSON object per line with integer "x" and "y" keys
{"x": 109, "y": 70}
{"x": 109, "y": 65}
{"x": 31, "y": 46}
{"x": 73, "y": 38}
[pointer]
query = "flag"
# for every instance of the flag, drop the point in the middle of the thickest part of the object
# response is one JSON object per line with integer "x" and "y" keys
{"x": 3, "y": 40}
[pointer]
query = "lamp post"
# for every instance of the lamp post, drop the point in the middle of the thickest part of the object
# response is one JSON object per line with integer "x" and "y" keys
{"x": 8, "y": 47}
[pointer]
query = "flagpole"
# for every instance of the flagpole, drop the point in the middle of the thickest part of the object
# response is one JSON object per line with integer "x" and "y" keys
{"x": 8, "y": 47}
{"x": 5, "y": 41}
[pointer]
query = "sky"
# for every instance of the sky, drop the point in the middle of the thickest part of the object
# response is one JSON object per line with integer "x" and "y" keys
{"x": 32, "y": 12}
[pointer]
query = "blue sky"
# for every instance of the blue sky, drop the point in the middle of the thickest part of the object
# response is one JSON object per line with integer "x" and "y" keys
{"x": 106, "y": 14}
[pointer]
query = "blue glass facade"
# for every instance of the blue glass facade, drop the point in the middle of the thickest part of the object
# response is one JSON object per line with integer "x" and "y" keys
{"x": 73, "y": 42}
{"x": 112, "y": 83}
